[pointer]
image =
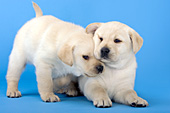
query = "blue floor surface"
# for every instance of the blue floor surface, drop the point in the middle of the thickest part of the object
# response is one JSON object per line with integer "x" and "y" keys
{"x": 30, "y": 102}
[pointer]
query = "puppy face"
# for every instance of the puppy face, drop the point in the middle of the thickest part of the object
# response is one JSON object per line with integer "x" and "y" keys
{"x": 80, "y": 53}
{"x": 114, "y": 41}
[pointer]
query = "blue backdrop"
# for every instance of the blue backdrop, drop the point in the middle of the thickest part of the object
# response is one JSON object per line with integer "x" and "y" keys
{"x": 150, "y": 18}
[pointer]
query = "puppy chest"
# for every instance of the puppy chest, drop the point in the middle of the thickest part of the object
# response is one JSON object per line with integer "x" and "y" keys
{"x": 110, "y": 84}
{"x": 113, "y": 81}
{"x": 61, "y": 69}
{"x": 116, "y": 83}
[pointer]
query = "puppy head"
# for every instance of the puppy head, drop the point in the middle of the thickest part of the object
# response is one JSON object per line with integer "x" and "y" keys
{"x": 79, "y": 52}
{"x": 114, "y": 41}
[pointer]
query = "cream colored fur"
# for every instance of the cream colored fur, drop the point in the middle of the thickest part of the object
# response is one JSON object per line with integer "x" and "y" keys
{"x": 67, "y": 85}
{"x": 55, "y": 48}
{"x": 117, "y": 82}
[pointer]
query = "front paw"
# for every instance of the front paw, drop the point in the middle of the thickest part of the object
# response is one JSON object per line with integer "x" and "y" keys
{"x": 50, "y": 97}
{"x": 102, "y": 103}
{"x": 138, "y": 102}
{"x": 13, "y": 94}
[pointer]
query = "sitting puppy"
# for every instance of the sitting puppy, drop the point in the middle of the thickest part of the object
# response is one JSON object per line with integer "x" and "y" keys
{"x": 56, "y": 48}
{"x": 115, "y": 45}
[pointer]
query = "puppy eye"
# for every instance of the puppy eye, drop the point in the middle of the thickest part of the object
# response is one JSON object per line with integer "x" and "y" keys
{"x": 101, "y": 39}
{"x": 117, "y": 41}
{"x": 85, "y": 57}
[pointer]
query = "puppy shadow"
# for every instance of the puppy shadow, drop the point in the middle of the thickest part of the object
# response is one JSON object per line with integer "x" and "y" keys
{"x": 30, "y": 93}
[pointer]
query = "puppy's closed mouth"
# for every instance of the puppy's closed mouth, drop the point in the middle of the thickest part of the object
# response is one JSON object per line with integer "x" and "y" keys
{"x": 88, "y": 75}
{"x": 104, "y": 59}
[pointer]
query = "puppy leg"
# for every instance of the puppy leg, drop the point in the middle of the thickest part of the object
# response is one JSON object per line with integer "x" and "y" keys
{"x": 72, "y": 89}
{"x": 95, "y": 92}
{"x": 67, "y": 85}
{"x": 45, "y": 83}
{"x": 16, "y": 65}
{"x": 60, "y": 83}
{"x": 130, "y": 97}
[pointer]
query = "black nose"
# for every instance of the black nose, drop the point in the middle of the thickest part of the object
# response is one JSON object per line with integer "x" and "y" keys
{"x": 104, "y": 52}
{"x": 99, "y": 68}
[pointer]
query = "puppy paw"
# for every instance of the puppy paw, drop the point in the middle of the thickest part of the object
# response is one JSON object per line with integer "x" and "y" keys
{"x": 138, "y": 102}
{"x": 71, "y": 92}
{"x": 50, "y": 97}
{"x": 13, "y": 94}
{"x": 102, "y": 103}
{"x": 61, "y": 91}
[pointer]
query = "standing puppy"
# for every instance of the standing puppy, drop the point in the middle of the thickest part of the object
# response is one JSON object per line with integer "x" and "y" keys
{"x": 115, "y": 45}
{"x": 56, "y": 48}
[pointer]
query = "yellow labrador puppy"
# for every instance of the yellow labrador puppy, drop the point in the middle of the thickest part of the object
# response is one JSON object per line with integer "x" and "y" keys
{"x": 115, "y": 45}
{"x": 56, "y": 48}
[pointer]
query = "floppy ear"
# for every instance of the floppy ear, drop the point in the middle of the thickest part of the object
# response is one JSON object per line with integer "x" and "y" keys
{"x": 91, "y": 28}
{"x": 137, "y": 40}
{"x": 65, "y": 54}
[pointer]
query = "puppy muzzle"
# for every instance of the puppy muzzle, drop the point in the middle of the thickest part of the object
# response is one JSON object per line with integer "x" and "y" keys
{"x": 104, "y": 53}
{"x": 99, "y": 68}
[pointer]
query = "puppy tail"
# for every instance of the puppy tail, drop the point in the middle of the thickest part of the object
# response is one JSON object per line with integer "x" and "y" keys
{"x": 37, "y": 9}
